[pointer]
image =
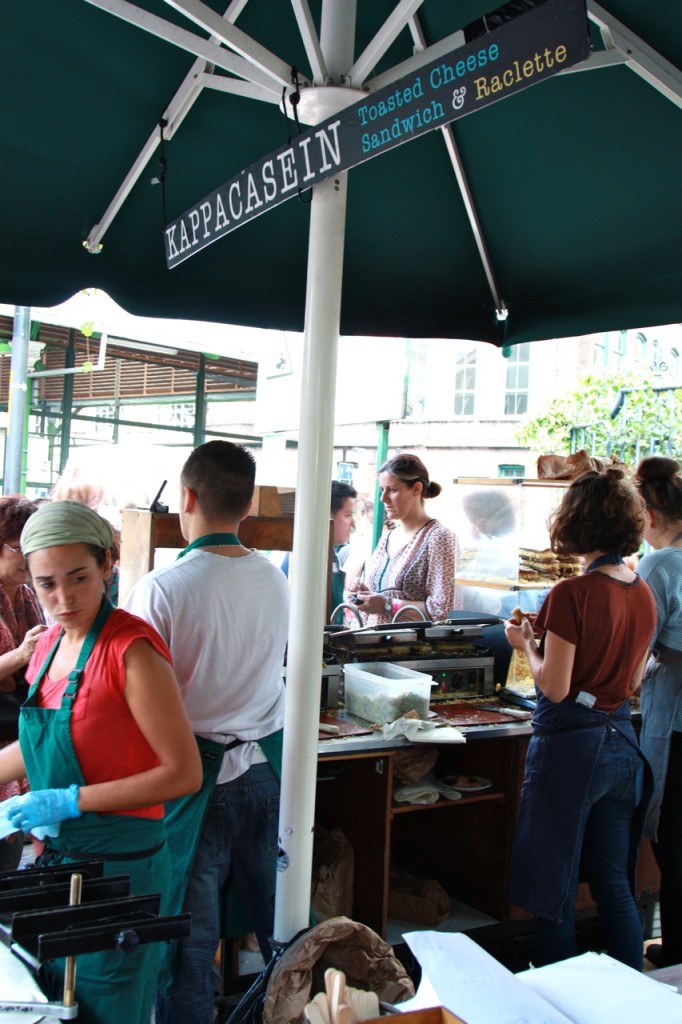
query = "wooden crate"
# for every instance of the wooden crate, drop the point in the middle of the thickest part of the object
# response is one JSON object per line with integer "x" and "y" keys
{"x": 434, "y": 1015}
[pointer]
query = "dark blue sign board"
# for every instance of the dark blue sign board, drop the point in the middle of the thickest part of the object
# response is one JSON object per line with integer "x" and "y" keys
{"x": 520, "y": 53}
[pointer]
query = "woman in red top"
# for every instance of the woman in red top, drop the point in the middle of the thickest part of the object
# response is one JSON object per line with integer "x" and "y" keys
{"x": 103, "y": 739}
{"x": 582, "y": 803}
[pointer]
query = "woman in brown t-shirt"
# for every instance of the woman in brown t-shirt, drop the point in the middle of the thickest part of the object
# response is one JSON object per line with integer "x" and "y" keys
{"x": 581, "y": 802}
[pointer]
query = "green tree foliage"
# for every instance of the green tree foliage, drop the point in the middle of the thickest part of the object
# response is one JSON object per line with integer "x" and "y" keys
{"x": 649, "y": 421}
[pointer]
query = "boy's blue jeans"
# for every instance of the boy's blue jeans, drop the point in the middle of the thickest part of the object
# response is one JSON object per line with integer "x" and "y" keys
{"x": 239, "y": 836}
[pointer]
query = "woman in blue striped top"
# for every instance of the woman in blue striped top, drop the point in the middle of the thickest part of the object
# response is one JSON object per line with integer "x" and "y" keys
{"x": 660, "y": 484}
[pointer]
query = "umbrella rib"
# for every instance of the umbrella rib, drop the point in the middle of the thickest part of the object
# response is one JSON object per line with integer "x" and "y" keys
{"x": 386, "y": 35}
{"x": 182, "y": 102}
{"x": 208, "y": 50}
{"x": 311, "y": 40}
{"x": 435, "y": 51}
{"x": 238, "y": 87}
{"x": 237, "y": 40}
{"x": 455, "y": 159}
{"x": 175, "y": 113}
{"x": 643, "y": 59}
{"x": 465, "y": 192}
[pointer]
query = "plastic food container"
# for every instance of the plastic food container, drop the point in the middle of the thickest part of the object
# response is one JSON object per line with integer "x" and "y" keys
{"x": 380, "y": 692}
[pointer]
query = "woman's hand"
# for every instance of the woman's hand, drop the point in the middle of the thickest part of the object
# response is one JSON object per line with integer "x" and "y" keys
{"x": 28, "y": 644}
{"x": 519, "y": 635}
{"x": 372, "y": 604}
{"x": 356, "y": 586}
{"x": 13, "y": 660}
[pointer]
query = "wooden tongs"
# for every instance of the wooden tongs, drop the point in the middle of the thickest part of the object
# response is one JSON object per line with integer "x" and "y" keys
{"x": 340, "y": 1003}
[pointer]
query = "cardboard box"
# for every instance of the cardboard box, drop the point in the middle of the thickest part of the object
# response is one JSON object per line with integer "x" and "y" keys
{"x": 434, "y": 1015}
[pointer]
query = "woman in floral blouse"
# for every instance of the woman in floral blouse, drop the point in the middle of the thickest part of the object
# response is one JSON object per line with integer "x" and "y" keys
{"x": 414, "y": 562}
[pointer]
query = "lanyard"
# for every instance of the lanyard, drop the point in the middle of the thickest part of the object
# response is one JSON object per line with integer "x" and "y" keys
{"x": 91, "y": 638}
{"x": 212, "y": 540}
{"x": 610, "y": 558}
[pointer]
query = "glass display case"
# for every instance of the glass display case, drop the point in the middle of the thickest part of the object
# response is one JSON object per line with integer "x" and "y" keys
{"x": 503, "y": 530}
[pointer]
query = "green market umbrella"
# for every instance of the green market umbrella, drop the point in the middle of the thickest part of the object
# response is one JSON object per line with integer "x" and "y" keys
{"x": 552, "y": 212}
{"x": 575, "y": 183}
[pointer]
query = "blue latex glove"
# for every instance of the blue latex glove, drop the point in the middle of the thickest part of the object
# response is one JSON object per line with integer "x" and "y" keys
{"x": 43, "y": 807}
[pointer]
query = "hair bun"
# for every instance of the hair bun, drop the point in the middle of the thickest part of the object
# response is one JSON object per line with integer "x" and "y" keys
{"x": 613, "y": 474}
{"x": 657, "y": 467}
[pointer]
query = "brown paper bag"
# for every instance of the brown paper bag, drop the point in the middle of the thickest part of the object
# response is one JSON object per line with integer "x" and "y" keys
{"x": 426, "y": 902}
{"x": 367, "y": 961}
{"x": 410, "y": 765}
{"x": 333, "y": 872}
{"x": 567, "y": 467}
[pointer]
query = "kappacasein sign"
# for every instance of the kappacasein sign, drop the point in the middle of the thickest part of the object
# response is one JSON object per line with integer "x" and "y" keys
{"x": 539, "y": 43}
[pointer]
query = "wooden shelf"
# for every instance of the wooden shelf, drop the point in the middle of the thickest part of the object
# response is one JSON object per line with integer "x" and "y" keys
{"x": 502, "y": 584}
{"x": 510, "y": 481}
{"x": 473, "y": 799}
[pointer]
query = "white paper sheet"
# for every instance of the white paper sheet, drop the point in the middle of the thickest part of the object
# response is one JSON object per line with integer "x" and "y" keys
{"x": 595, "y": 989}
{"x": 589, "y": 989}
{"x": 417, "y": 731}
{"x": 18, "y": 986}
{"x": 458, "y": 974}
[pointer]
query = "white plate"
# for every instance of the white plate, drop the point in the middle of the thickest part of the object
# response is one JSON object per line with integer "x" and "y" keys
{"x": 467, "y": 783}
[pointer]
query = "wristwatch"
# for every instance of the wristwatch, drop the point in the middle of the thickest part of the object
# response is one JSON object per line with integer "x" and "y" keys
{"x": 388, "y": 606}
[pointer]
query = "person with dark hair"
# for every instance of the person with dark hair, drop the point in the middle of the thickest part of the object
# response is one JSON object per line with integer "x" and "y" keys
{"x": 223, "y": 609}
{"x": 414, "y": 562}
{"x": 583, "y": 797}
{"x": 660, "y": 484}
{"x": 21, "y": 623}
{"x": 342, "y": 513}
{"x": 104, "y": 741}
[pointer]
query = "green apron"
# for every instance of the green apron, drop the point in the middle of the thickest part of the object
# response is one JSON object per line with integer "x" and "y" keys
{"x": 338, "y": 588}
{"x": 111, "y": 987}
{"x": 185, "y": 816}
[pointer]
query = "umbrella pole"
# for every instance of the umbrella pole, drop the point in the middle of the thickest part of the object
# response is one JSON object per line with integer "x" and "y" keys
{"x": 311, "y": 525}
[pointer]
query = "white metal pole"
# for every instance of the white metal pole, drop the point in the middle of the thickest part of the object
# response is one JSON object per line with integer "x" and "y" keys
{"x": 311, "y": 529}
{"x": 14, "y": 442}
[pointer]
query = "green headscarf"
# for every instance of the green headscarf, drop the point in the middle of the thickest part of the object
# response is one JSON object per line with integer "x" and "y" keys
{"x": 65, "y": 522}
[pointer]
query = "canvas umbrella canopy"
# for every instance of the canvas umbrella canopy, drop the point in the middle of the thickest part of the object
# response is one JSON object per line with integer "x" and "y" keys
{"x": 574, "y": 185}
{"x": 553, "y": 212}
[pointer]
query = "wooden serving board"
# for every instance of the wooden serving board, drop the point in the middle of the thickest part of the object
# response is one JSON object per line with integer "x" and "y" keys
{"x": 465, "y": 713}
{"x": 346, "y": 728}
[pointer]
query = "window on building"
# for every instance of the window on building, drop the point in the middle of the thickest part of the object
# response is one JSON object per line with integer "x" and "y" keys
{"x": 415, "y": 395}
{"x": 600, "y": 351}
{"x": 465, "y": 383}
{"x": 516, "y": 391}
{"x": 620, "y": 346}
{"x": 508, "y": 469}
{"x": 642, "y": 348}
{"x": 658, "y": 365}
